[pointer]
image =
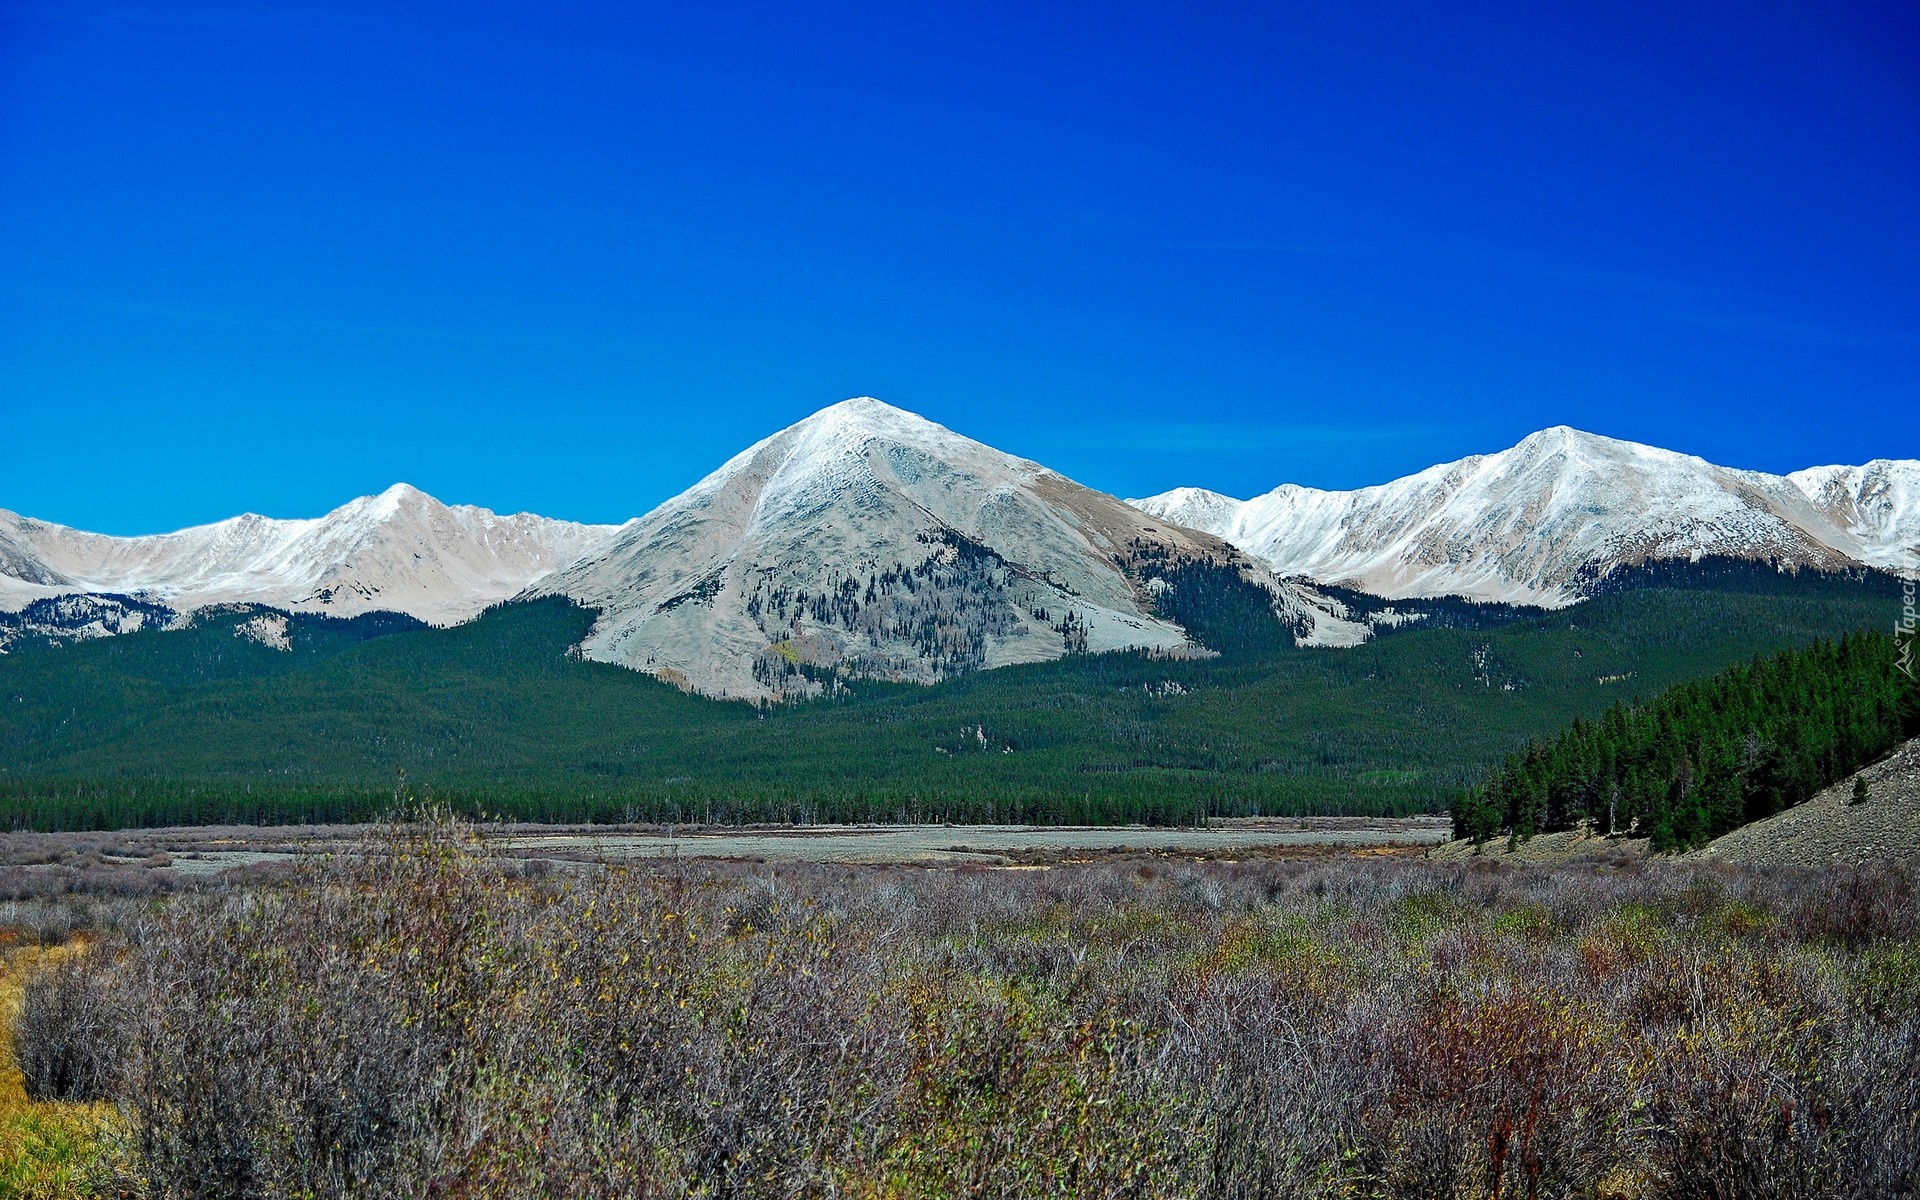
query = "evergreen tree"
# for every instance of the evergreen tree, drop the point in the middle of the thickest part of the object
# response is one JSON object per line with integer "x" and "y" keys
{"x": 1704, "y": 757}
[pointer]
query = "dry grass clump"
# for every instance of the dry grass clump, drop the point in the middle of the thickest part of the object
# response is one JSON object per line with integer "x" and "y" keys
{"x": 431, "y": 1020}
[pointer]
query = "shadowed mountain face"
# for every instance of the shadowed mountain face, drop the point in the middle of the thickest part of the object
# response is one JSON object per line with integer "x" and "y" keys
{"x": 1532, "y": 523}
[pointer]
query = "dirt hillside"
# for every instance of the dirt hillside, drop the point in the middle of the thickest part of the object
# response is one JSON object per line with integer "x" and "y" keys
{"x": 1831, "y": 828}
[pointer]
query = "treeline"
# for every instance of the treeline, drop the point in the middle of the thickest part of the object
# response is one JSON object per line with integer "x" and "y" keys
{"x": 501, "y": 716}
{"x": 1429, "y": 612}
{"x": 1723, "y": 573}
{"x": 1708, "y": 756}
{"x": 1153, "y": 798}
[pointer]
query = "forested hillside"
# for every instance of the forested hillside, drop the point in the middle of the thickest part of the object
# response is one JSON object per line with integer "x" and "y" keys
{"x": 500, "y": 715}
{"x": 1708, "y": 756}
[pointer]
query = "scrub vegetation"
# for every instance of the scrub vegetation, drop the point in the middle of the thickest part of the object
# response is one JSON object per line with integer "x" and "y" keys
{"x": 422, "y": 1018}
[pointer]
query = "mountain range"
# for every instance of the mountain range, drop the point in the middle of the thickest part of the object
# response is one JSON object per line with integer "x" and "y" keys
{"x": 1541, "y": 522}
{"x": 400, "y": 551}
{"x": 867, "y": 541}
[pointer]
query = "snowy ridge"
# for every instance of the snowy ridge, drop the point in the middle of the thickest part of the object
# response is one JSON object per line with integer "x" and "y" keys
{"x": 1528, "y": 524}
{"x": 1876, "y": 505}
{"x": 399, "y": 551}
{"x": 866, "y": 541}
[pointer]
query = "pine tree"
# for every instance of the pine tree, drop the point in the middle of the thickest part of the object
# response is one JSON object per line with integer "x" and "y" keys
{"x": 1704, "y": 757}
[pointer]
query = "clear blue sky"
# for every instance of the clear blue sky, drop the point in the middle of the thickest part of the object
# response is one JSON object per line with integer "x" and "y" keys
{"x": 568, "y": 257}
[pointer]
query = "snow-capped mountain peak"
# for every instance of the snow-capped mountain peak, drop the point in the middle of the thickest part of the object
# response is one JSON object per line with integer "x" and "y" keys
{"x": 400, "y": 550}
{"x": 807, "y": 463}
{"x": 1535, "y": 523}
{"x": 868, "y": 539}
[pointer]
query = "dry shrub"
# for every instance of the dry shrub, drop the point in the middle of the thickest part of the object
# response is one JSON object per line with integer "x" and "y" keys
{"x": 1274, "y": 1079}
{"x": 1859, "y": 906}
{"x": 1740, "y": 1120}
{"x": 421, "y": 1018}
{"x": 1008, "y": 1095}
{"x": 311, "y": 1040}
{"x": 67, "y": 1038}
{"x": 1511, "y": 1092}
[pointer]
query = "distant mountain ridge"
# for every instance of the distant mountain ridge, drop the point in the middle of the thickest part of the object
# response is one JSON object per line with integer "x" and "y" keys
{"x": 399, "y": 551}
{"x": 868, "y": 541}
{"x": 863, "y": 541}
{"x": 1532, "y": 523}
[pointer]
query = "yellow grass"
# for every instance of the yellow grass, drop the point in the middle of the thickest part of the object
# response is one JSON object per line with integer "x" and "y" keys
{"x": 46, "y": 1148}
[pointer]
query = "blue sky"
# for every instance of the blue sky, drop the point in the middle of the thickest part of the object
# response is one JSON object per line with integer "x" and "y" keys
{"x": 568, "y": 257}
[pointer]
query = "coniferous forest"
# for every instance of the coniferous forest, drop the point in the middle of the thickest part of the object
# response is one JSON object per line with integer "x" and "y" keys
{"x": 1707, "y": 756}
{"x": 500, "y": 716}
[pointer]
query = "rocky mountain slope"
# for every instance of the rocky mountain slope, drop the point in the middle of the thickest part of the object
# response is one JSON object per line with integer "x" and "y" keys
{"x": 400, "y": 551}
{"x": 1877, "y": 506}
{"x": 1538, "y": 522}
{"x": 1834, "y": 827}
{"x": 868, "y": 540}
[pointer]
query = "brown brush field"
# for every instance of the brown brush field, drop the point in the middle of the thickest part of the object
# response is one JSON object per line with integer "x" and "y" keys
{"x": 428, "y": 1014}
